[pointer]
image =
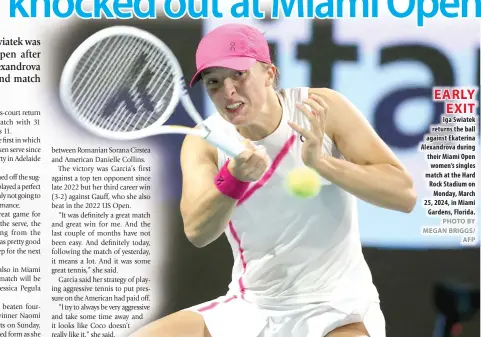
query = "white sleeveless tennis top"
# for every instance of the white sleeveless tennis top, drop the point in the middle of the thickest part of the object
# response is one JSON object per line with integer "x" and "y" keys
{"x": 290, "y": 251}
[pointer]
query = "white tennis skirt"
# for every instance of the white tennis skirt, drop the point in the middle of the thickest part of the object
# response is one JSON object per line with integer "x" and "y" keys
{"x": 231, "y": 316}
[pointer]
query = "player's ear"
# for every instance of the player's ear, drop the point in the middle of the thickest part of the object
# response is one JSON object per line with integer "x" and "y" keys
{"x": 271, "y": 74}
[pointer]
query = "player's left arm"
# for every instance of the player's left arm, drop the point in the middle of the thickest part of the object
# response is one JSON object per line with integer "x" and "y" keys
{"x": 371, "y": 171}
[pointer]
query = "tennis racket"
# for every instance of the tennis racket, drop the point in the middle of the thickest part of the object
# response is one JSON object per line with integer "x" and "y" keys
{"x": 124, "y": 83}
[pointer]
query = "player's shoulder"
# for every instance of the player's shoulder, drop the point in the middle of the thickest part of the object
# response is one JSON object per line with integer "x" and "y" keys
{"x": 304, "y": 92}
{"x": 338, "y": 104}
{"x": 323, "y": 91}
{"x": 296, "y": 94}
{"x": 332, "y": 97}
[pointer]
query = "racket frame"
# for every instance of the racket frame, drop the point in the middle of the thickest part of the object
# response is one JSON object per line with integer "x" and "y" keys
{"x": 230, "y": 145}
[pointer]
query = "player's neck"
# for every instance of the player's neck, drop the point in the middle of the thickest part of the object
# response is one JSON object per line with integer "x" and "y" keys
{"x": 267, "y": 122}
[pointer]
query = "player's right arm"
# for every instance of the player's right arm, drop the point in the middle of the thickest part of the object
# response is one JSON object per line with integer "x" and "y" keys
{"x": 205, "y": 210}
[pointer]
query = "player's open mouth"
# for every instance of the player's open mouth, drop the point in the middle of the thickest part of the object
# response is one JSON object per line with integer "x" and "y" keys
{"x": 235, "y": 107}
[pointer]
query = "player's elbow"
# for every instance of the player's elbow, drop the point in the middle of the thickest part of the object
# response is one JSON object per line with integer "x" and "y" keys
{"x": 409, "y": 200}
{"x": 408, "y": 195}
{"x": 194, "y": 234}
{"x": 196, "y": 238}
{"x": 405, "y": 192}
{"x": 196, "y": 229}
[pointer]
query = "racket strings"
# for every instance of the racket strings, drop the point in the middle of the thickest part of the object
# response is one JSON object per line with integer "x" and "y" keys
{"x": 145, "y": 119}
{"x": 117, "y": 117}
{"x": 89, "y": 68}
{"x": 166, "y": 77}
{"x": 123, "y": 83}
{"x": 81, "y": 73}
{"x": 128, "y": 124}
{"x": 102, "y": 90}
{"x": 100, "y": 73}
{"x": 110, "y": 78}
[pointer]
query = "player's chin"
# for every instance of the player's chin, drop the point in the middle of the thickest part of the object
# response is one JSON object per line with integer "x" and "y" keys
{"x": 238, "y": 117}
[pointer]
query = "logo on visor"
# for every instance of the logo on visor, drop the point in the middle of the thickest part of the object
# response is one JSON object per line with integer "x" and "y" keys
{"x": 232, "y": 46}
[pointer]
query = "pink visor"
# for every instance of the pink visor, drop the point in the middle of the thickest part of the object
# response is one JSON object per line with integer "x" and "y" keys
{"x": 233, "y": 46}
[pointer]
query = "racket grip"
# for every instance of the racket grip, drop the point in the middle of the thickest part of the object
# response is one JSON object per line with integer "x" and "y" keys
{"x": 231, "y": 146}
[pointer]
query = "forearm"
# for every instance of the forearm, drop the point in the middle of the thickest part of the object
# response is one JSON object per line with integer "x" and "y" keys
{"x": 207, "y": 217}
{"x": 383, "y": 185}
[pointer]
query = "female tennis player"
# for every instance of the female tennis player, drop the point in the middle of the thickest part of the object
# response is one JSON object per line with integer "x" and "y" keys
{"x": 298, "y": 270}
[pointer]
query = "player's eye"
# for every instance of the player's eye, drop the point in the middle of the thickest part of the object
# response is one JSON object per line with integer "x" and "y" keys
{"x": 211, "y": 81}
{"x": 238, "y": 74}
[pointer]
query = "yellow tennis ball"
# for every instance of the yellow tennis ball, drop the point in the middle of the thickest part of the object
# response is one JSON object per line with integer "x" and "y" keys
{"x": 303, "y": 182}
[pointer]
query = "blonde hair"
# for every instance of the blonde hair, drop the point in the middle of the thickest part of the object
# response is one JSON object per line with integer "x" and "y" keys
{"x": 277, "y": 77}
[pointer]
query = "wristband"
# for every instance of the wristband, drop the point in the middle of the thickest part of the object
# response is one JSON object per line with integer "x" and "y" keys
{"x": 229, "y": 185}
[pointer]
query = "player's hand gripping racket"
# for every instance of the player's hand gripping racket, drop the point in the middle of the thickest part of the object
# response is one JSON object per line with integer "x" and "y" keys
{"x": 124, "y": 83}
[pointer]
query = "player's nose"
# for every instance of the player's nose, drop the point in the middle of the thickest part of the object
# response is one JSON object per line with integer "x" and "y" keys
{"x": 228, "y": 88}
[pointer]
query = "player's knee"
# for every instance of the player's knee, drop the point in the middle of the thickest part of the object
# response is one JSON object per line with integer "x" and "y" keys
{"x": 179, "y": 324}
